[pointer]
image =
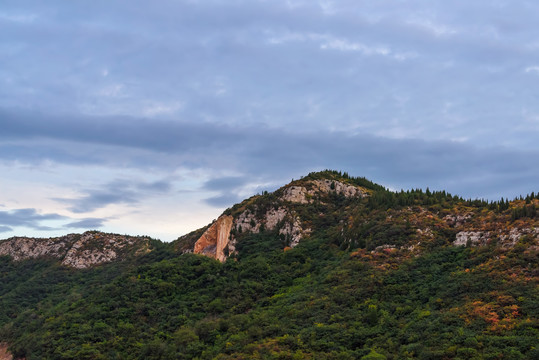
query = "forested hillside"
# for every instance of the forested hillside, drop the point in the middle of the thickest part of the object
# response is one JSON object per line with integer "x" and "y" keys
{"x": 327, "y": 267}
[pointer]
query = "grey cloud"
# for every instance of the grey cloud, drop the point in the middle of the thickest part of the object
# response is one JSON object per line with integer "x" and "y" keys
{"x": 31, "y": 218}
{"x": 157, "y": 186}
{"x": 225, "y": 183}
{"x": 116, "y": 192}
{"x": 273, "y": 154}
{"x": 5, "y": 229}
{"x": 228, "y": 188}
{"x": 86, "y": 223}
{"x": 28, "y": 218}
{"x": 223, "y": 200}
{"x": 117, "y": 131}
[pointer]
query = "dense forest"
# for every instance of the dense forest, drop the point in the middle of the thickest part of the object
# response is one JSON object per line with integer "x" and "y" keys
{"x": 378, "y": 277}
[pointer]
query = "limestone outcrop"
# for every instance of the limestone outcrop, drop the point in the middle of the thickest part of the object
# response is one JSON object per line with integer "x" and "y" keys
{"x": 282, "y": 218}
{"x": 505, "y": 238}
{"x": 79, "y": 251}
{"x": 21, "y": 248}
{"x": 473, "y": 238}
{"x": 306, "y": 194}
{"x": 457, "y": 220}
{"x": 97, "y": 248}
{"x": 511, "y": 239}
{"x": 215, "y": 239}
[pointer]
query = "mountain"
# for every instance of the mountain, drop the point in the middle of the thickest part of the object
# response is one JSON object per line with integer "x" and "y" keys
{"x": 327, "y": 267}
{"x": 329, "y": 201}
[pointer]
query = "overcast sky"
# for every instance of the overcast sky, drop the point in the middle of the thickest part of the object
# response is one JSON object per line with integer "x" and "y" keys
{"x": 152, "y": 117}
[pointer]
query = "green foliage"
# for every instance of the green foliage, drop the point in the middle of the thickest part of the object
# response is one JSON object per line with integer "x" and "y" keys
{"x": 529, "y": 211}
{"x": 311, "y": 302}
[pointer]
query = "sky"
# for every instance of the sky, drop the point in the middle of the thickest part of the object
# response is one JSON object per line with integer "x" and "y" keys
{"x": 152, "y": 117}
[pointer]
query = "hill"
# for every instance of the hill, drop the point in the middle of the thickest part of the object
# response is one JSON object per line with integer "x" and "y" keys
{"x": 327, "y": 267}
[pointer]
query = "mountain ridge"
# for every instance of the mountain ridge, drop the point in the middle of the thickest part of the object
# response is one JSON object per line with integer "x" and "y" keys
{"x": 78, "y": 251}
{"x": 473, "y": 224}
{"x": 282, "y": 211}
{"x": 378, "y": 275}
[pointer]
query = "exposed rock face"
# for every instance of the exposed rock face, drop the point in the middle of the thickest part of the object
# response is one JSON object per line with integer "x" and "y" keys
{"x": 74, "y": 250}
{"x": 288, "y": 223}
{"x": 474, "y": 238}
{"x": 20, "y": 248}
{"x": 214, "y": 241}
{"x": 4, "y": 353}
{"x": 305, "y": 194}
{"x": 246, "y": 221}
{"x": 457, "y": 220}
{"x": 508, "y": 240}
{"x": 98, "y": 248}
{"x": 295, "y": 194}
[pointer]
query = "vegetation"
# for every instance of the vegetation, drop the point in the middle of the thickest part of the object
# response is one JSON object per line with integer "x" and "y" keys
{"x": 365, "y": 285}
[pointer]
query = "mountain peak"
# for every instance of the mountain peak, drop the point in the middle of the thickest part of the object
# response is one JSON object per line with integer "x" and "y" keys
{"x": 277, "y": 211}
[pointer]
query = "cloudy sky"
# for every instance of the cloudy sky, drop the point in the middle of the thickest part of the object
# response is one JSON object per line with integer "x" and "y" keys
{"x": 152, "y": 117}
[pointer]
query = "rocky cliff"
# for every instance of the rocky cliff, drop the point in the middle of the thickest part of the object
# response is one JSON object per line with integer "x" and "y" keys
{"x": 272, "y": 212}
{"x": 76, "y": 250}
{"x": 214, "y": 241}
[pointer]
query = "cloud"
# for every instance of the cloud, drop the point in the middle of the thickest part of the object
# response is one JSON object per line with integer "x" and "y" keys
{"x": 18, "y": 18}
{"x": 117, "y": 192}
{"x": 257, "y": 154}
{"x": 228, "y": 188}
{"x": 32, "y": 219}
{"x": 329, "y": 42}
{"x": 225, "y": 183}
{"x": 5, "y": 229}
{"x": 532, "y": 69}
{"x": 223, "y": 200}
{"x": 29, "y": 218}
{"x": 86, "y": 223}
{"x": 116, "y": 131}
{"x": 436, "y": 29}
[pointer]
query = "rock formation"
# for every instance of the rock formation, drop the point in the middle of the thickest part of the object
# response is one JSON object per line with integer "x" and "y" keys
{"x": 305, "y": 194}
{"x": 281, "y": 218}
{"x": 504, "y": 237}
{"x": 75, "y": 250}
{"x": 214, "y": 241}
{"x": 471, "y": 238}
